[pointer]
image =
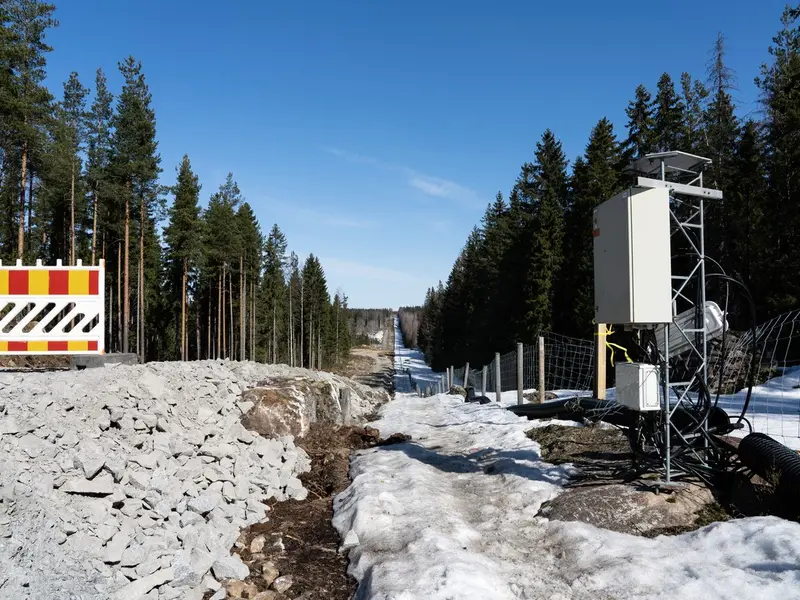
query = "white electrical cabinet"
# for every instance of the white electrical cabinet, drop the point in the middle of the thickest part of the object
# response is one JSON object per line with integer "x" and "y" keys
{"x": 632, "y": 258}
{"x": 638, "y": 386}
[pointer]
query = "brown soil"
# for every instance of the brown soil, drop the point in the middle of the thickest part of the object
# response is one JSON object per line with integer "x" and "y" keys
{"x": 38, "y": 363}
{"x": 300, "y": 539}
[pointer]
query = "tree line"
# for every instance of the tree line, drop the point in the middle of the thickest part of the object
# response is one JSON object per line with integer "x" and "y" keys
{"x": 410, "y": 318}
{"x": 366, "y": 322}
{"x": 528, "y": 266}
{"x": 79, "y": 180}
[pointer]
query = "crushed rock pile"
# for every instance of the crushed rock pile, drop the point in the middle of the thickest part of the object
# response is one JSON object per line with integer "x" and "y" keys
{"x": 132, "y": 482}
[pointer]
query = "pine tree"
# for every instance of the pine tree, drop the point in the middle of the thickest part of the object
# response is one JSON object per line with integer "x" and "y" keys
{"x": 295, "y": 315}
{"x": 135, "y": 166}
{"x": 274, "y": 293}
{"x": 74, "y": 109}
{"x": 99, "y": 134}
{"x": 183, "y": 238}
{"x": 640, "y": 126}
{"x": 251, "y": 243}
{"x": 26, "y": 98}
{"x": 669, "y": 116}
{"x": 222, "y": 250}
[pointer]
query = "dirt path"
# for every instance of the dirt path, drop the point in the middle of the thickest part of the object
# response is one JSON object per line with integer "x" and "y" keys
{"x": 373, "y": 365}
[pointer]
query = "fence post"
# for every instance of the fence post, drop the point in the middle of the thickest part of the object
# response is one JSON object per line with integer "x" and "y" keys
{"x": 452, "y": 378}
{"x": 466, "y": 376}
{"x": 520, "y": 398}
{"x": 541, "y": 369}
{"x": 600, "y": 362}
{"x": 483, "y": 380}
{"x": 498, "y": 382}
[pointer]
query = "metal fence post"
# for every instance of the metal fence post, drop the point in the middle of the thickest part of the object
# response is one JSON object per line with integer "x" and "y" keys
{"x": 520, "y": 398}
{"x": 498, "y": 381}
{"x": 542, "y": 381}
{"x": 466, "y": 376}
{"x": 483, "y": 380}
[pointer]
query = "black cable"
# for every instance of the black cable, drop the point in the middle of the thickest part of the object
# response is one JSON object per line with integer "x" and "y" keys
{"x": 751, "y": 368}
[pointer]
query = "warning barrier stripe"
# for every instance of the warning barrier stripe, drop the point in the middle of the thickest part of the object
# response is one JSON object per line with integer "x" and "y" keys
{"x": 49, "y": 346}
{"x": 49, "y": 282}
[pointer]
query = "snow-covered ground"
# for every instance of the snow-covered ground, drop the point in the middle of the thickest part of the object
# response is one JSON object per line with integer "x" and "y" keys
{"x": 774, "y": 408}
{"x": 452, "y": 515}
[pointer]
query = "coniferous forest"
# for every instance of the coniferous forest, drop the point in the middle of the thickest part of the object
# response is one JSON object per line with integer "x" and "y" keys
{"x": 527, "y": 267}
{"x": 79, "y": 180}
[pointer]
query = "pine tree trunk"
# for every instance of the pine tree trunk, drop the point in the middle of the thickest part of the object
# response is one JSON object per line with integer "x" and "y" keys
{"x": 183, "y": 312}
{"x": 22, "y": 179}
{"x": 319, "y": 350}
{"x": 72, "y": 216}
{"x": 30, "y": 212}
{"x": 302, "y": 320}
{"x": 290, "y": 335}
{"x": 208, "y": 347}
{"x": 220, "y": 313}
{"x": 253, "y": 321}
{"x": 197, "y": 327}
{"x": 126, "y": 313}
{"x": 142, "y": 223}
{"x": 119, "y": 293}
{"x": 230, "y": 309}
{"x": 94, "y": 224}
{"x": 242, "y": 308}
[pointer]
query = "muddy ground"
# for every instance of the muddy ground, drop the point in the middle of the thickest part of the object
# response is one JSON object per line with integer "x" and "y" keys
{"x": 295, "y": 554}
{"x": 609, "y": 492}
{"x": 298, "y": 543}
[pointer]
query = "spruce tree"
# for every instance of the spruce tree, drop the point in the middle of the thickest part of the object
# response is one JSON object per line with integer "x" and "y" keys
{"x": 669, "y": 117}
{"x": 640, "y": 126}
{"x": 692, "y": 132}
{"x": 722, "y": 129}
{"x": 750, "y": 256}
{"x": 545, "y": 235}
{"x": 594, "y": 180}
{"x": 779, "y": 82}
{"x": 493, "y": 330}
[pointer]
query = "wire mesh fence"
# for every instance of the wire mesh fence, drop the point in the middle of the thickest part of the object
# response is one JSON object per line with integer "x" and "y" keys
{"x": 568, "y": 366}
{"x": 771, "y": 355}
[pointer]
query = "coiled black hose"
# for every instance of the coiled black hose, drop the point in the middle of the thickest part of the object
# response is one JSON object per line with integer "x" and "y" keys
{"x": 775, "y": 463}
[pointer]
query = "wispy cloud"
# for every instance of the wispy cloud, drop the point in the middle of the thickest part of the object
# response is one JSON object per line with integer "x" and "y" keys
{"x": 318, "y": 216}
{"x": 427, "y": 184}
{"x": 366, "y": 271}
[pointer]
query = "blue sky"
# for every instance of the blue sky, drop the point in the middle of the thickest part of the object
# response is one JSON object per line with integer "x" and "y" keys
{"x": 375, "y": 133}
